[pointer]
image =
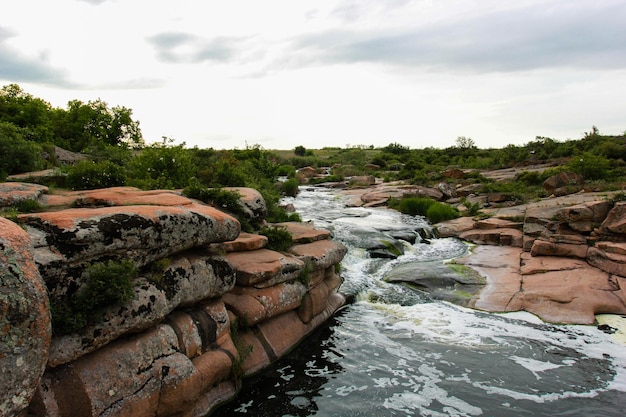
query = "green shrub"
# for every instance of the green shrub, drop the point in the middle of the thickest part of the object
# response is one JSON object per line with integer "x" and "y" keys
{"x": 422, "y": 206}
{"x": 473, "y": 209}
{"x": 107, "y": 283}
{"x": 440, "y": 212}
{"x": 290, "y": 187}
{"x": 279, "y": 238}
{"x": 415, "y": 206}
{"x": 590, "y": 166}
{"x": 87, "y": 175}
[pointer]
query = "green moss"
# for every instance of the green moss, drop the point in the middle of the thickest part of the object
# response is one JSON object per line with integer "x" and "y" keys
{"x": 392, "y": 248}
{"x": 466, "y": 271}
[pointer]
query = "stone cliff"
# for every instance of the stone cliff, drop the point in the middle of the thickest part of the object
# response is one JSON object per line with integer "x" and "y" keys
{"x": 207, "y": 305}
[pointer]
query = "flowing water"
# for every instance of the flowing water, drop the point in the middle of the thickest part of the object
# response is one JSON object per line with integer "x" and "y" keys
{"x": 397, "y": 352}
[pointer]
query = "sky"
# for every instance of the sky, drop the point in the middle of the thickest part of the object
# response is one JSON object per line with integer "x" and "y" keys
{"x": 329, "y": 73}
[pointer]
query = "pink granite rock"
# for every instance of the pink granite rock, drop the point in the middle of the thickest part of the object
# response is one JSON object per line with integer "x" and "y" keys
{"x": 24, "y": 321}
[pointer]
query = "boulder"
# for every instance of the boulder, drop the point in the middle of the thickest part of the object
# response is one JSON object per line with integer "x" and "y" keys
{"x": 362, "y": 181}
{"x": 608, "y": 261}
{"x": 254, "y": 205}
{"x": 66, "y": 241}
{"x": 244, "y": 242}
{"x": 615, "y": 222}
{"x": 12, "y": 193}
{"x": 449, "y": 282}
{"x": 320, "y": 254}
{"x": 454, "y": 227}
{"x": 24, "y": 321}
{"x": 563, "y": 183}
{"x": 188, "y": 280}
{"x": 447, "y": 190}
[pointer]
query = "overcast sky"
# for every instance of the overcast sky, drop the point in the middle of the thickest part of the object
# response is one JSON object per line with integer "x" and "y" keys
{"x": 283, "y": 73}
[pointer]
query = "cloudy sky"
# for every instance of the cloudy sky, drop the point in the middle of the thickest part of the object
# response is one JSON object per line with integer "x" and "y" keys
{"x": 283, "y": 73}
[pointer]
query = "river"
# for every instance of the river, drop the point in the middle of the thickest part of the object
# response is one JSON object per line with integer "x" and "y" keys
{"x": 397, "y": 352}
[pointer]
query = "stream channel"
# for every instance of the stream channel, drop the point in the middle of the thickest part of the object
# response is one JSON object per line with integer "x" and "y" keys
{"x": 395, "y": 351}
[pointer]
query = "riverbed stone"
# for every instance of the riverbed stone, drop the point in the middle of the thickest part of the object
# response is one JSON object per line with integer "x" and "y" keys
{"x": 449, "y": 282}
{"x": 24, "y": 321}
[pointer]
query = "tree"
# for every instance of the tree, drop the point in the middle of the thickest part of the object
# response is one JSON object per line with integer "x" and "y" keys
{"x": 465, "y": 143}
{"x": 95, "y": 124}
{"x": 299, "y": 150}
{"x": 18, "y": 155}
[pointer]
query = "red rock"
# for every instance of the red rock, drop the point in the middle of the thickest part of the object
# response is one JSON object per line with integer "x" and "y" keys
{"x": 321, "y": 254}
{"x": 244, "y": 242}
{"x": 615, "y": 221}
{"x": 496, "y": 223}
{"x": 507, "y": 237}
{"x": 276, "y": 299}
{"x": 454, "y": 227}
{"x": 264, "y": 267}
{"x": 612, "y": 263}
{"x": 304, "y": 232}
{"x": 247, "y": 308}
{"x": 24, "y": 321}
{"x": 313, "y": 303}
{"x": 612, "y": 247}
{"x": 257, "y": 358}
{"x": 189, "y": 339}
{"x": 283, "y": 333}
{"x": 543, "y": 247}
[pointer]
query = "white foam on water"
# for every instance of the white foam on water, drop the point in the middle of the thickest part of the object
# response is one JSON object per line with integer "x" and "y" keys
{"x": 537, "y": 367}
{"x": 452, "y": 325}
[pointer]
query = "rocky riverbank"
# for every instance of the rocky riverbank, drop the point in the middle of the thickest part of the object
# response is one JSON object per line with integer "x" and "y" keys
{"x": 209, "y": 306}
{"x": 560, "y": 258}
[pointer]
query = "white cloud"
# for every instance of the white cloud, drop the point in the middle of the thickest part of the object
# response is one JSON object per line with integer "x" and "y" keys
{"x": 329, "y": 72}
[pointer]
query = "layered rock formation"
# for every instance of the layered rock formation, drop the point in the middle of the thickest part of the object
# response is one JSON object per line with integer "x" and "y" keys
{"x": 563, "y": 260}
{"x": 209, "y": 305}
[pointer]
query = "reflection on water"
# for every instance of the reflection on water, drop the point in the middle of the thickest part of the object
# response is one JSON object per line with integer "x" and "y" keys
{"x": 396, "y": 352}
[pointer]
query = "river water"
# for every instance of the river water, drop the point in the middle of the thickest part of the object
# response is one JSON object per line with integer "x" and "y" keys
{"x": 397, "y": 352}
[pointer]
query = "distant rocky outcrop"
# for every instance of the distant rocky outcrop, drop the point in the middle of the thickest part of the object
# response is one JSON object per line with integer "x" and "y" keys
{"x": 209, "y": 305}
{"x": 564, "y": 260}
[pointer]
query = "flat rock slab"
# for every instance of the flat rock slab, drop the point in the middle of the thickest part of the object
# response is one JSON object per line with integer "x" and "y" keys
{"x": 559, "y": 290}
{"x": 143, "y": 233}
{"x": 304, "y": 232}
{"x": 264, "y": 267}
{"x": 15, "y": 192}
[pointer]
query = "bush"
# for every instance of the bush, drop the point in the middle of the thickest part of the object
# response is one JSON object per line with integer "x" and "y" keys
{"x": 87, "y": 175}
{"x": 18, "y": 155}
{"x": 440, "y": 212}
{"x": 279, "y": 238}
{"x": 290, "y": 187}
{"x": 415, "y": 206}
{"x": 107, "y": 283}
{"x": 590, "y": 166}
{"x": 433, "y": 210}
